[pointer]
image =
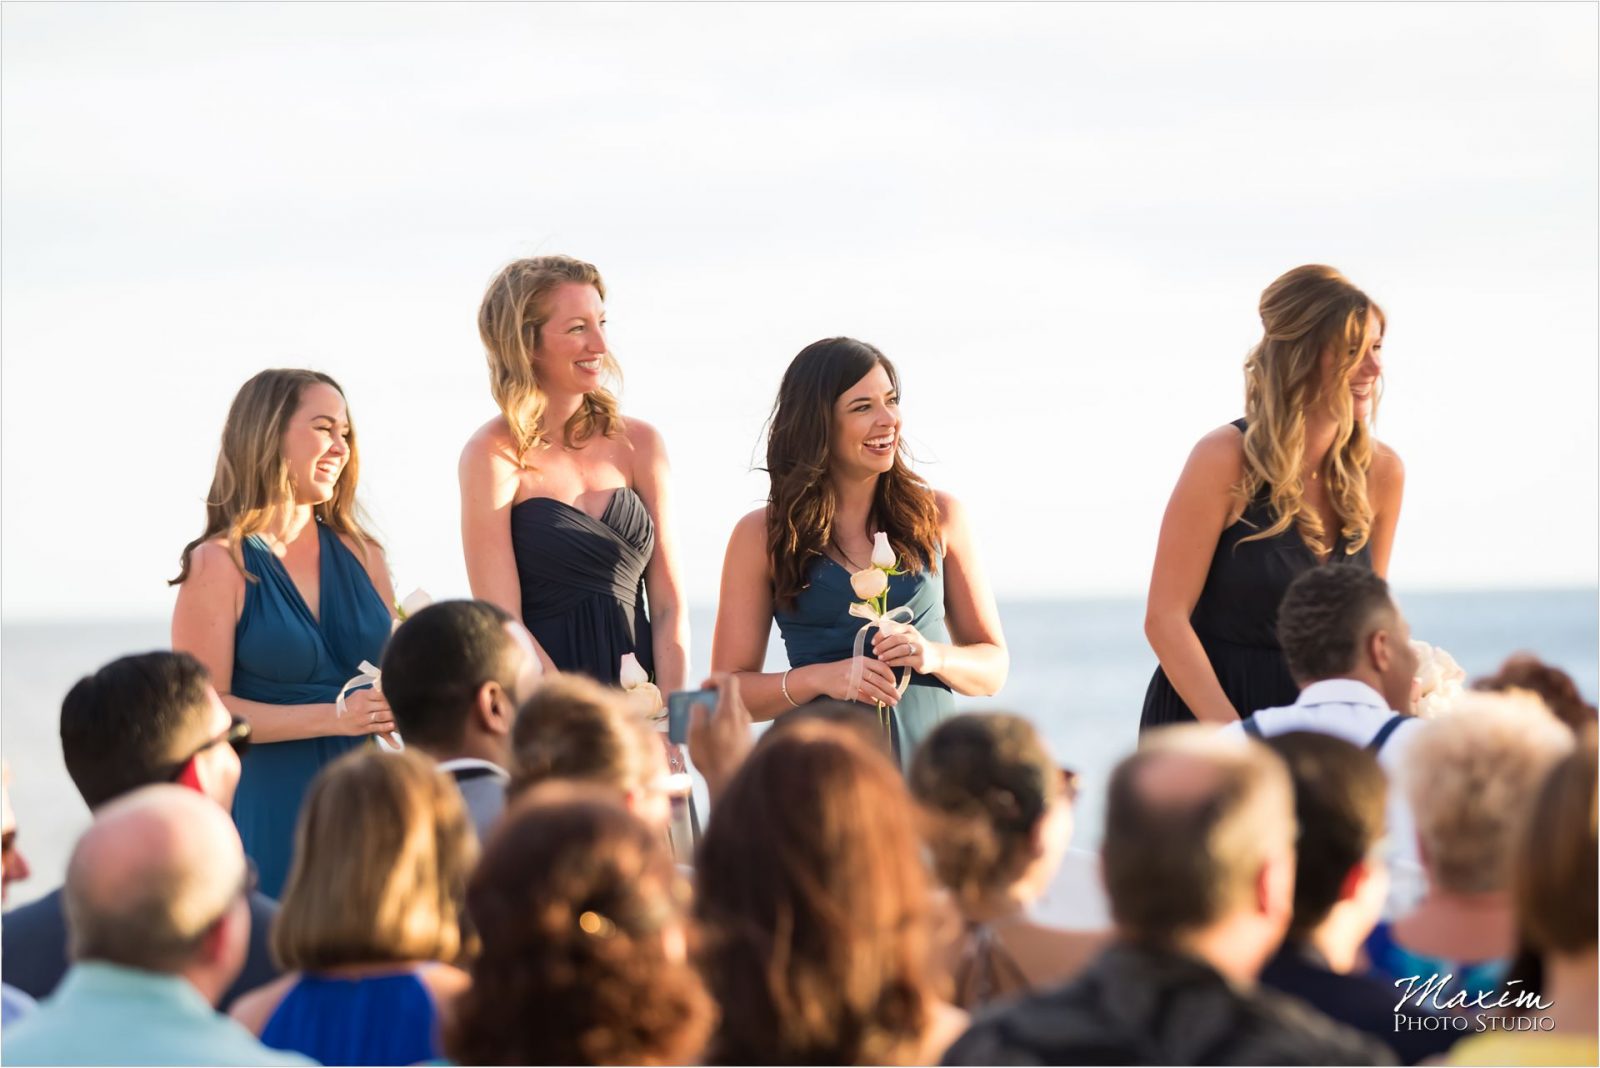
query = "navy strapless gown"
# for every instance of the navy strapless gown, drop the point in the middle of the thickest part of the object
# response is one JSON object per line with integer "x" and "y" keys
{"x": 583, "y": 581}
{"x": 1236, "y": 616}
{"x": 283, "y": 655}
{"x": 819, "y": 629}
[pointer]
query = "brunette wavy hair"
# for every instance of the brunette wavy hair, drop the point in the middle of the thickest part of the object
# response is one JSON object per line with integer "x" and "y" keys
{"x": 1305, "y": 313}
{"x": 510, "y": 319}
{"x": 814, "y": 906}
{"x": 571, "y": 898}
{"x": 801, "y": 505}
{"x": 252, "y": 477}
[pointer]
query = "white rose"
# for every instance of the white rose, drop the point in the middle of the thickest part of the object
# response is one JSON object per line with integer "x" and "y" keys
{"x": 415, "y": 601}
{"x": 882, "y": 551}
{"x": 632, "y": 673}
{"x": 869, "y": 583}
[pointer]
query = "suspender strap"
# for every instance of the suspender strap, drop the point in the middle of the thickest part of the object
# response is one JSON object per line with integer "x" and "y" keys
{"x": 1384, "y": 731}
{"x": 1253, "y": 729}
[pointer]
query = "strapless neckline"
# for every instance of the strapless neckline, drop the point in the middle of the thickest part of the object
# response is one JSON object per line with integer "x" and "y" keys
{"x": 611, "y": 502}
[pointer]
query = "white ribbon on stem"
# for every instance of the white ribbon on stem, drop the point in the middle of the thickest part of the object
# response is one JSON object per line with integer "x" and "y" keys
{"x": 888, "y": 623}
{"x": 370, "y": 676}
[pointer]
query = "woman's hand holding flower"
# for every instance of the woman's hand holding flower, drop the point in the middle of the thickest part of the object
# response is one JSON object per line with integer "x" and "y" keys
{"x": 903, "y": 646}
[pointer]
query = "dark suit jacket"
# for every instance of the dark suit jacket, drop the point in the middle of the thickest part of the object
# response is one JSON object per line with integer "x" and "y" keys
{"x": 33, "y": 947}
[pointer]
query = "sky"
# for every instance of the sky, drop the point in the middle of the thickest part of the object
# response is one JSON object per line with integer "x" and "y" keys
{"x": 1056, "y": 220}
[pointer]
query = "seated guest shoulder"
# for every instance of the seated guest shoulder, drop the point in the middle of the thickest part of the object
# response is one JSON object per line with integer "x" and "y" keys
{"x": 444, "y": 983}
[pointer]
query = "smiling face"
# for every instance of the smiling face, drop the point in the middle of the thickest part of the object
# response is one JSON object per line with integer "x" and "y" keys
{"x": 570, "y": 348}
{"x": 866, "y": 426}
{"x": 316, "y": 444}
{"x": 1355, "y": 370}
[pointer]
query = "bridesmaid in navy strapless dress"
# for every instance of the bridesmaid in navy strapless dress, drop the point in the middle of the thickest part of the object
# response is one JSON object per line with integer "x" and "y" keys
{"x": 583, "y": 581}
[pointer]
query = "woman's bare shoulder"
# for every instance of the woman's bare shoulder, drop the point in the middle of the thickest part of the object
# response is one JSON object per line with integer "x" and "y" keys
{"x": 254, "y": 1009}
{"x": 490, "y": 443}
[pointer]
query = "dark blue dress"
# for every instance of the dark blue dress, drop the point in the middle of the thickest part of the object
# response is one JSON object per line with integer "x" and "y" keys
{"x": 376, "y": 1019}
{"x": 282, "y": 655}
{"x": 1236, "y": 616}
{"x": 819, "y": 629}
{"x": 583, "y": 581}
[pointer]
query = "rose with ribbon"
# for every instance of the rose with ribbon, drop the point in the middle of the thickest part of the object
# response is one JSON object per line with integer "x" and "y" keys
{"x": 643, "y": 694}
{"x": 369, "y": 675}
{"x": 871, "y": 584}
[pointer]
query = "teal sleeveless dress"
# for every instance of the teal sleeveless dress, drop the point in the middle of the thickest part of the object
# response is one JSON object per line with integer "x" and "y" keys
{"x": 282, "y": 655}
{"x": 819, "y": 629}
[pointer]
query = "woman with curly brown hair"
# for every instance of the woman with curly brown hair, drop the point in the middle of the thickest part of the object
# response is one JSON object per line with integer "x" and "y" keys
{"x": 584, "y": 960}
{"x": 814, "y": 907}
{"x": 841, "y": 475}
{"x": 1299, "y": 481}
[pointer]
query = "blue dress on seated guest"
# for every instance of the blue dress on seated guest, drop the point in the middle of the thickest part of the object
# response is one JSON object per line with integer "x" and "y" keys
{"x": 283, "y": 655}
{"x": 376, "y": 1019}
{"x": 819, "y": 629}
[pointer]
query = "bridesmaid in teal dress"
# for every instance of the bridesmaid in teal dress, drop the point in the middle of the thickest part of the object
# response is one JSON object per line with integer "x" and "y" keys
{"x": 840, "y": 475}
{"x": 283, "y": 597}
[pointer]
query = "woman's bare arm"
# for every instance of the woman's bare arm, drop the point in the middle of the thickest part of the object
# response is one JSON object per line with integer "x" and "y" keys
{"x": 663, "y": 580}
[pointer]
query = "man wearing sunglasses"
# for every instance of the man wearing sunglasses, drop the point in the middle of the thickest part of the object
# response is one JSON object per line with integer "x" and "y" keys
{"x": 156, "y": 891}
{"x": 149, "y": 718}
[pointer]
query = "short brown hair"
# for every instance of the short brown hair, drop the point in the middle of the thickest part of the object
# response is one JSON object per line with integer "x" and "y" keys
{"x": 574, "y": 728}
{"x": 814, "y": 906}
{"x": 382, "y": 854}
{"x": 571, "y": 899}
{"x": 1190, "y": 819}
{"x": 1339, "y": 795}
{"x": 1555, "y": 881}
{"x": 1471, "y": 775}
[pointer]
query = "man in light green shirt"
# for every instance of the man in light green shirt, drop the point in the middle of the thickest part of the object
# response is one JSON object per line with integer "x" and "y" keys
{"x": 159, "y": 927}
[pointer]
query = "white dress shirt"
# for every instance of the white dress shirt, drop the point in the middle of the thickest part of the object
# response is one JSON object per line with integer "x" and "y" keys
{"x": 1354, "y": 711}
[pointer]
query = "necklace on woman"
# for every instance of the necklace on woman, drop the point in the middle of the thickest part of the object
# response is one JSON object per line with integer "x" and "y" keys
{"x": 833, "y": 541}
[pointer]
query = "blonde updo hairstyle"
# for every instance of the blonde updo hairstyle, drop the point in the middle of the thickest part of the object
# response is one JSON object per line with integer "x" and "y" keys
{"x": 510, "y": 319}
{"x": 1304, "y": 314}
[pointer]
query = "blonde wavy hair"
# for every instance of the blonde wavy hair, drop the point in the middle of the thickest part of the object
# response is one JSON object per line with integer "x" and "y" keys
{"x": 252, "y": 477}
{"x": 383, "y": 851}
{"x": 1303, "y": 314}
{"x": 509, "y": 321}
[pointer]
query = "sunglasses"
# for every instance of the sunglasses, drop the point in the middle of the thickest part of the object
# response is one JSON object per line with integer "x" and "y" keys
{"x": 1069, "y": 783}
{"x": 8, "y": 842}
{"x": 237, "y": 735}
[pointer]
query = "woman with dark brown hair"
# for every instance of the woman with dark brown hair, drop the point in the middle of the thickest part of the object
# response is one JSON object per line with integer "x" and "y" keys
{"x": 843, "y": 493}
{"x": 1524, "y": 671}
{"x": 814, "y": 908}
{"x": 584, "y": 959}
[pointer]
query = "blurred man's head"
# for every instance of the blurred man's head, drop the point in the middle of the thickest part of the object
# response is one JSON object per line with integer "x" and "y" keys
{"x": 1198, "y": 852}
{"x": 146, "y": 719}
{"x": 455, "y": 674}
{"x": 1341, "y": 623}
{"x": 15, "y": 864}
{"x": 1341, "y": 880}
{"x": 158, "y": 883}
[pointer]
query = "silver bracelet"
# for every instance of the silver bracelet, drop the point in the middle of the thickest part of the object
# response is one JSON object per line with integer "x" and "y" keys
{"x": 783, "y": 684}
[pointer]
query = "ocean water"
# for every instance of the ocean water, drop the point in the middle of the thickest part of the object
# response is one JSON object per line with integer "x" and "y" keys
{"x": 1078, "y": 669}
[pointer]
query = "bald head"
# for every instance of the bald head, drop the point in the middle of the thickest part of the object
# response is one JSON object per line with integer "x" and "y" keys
{"x": 152, "y": 875}
{"x": 1191, "y": 819}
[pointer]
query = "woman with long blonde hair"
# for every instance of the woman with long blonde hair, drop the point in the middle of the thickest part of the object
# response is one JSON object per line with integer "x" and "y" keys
{"x": 283, "y": 596}
{"x": 563, "y": 501}
{"x": 1298, "y": 482}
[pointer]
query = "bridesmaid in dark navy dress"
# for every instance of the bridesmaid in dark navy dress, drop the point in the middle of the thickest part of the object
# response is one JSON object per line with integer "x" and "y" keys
{"x": 562, "y": 500}
{"x": 282, "y": 599}
{"x": 839, "y": 477}
{"x": 1300, "y": 482}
